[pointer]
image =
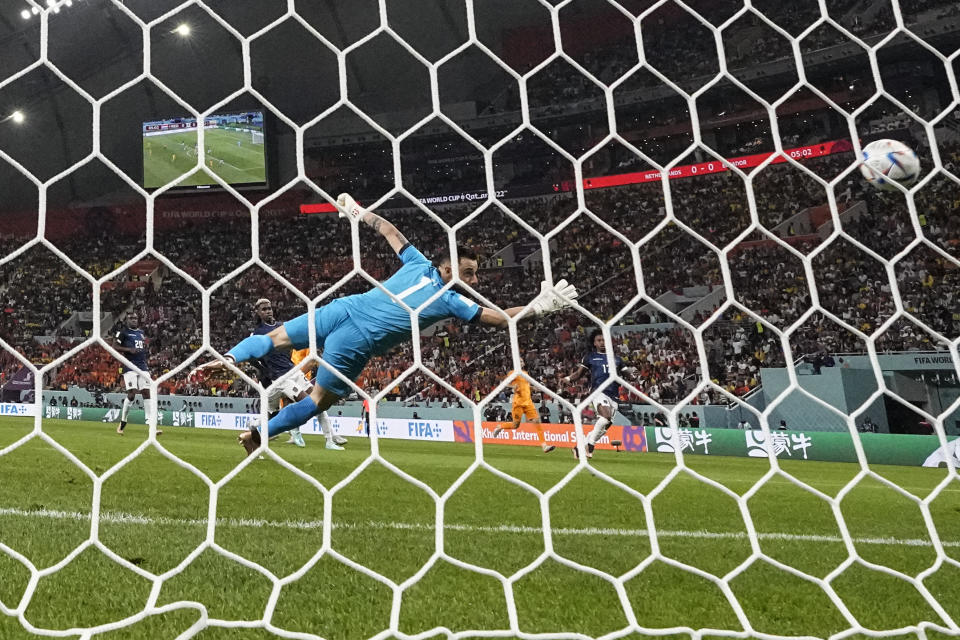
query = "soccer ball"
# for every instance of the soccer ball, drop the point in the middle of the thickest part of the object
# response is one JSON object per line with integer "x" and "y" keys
{"x": 886, "y": 161}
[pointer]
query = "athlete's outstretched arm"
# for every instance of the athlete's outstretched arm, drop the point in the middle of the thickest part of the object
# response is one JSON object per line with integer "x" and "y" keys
{"x": 576, "y": 375}
{"x": 350, "y": 208}
{"x": 252, "y": 347}
{"x": 552, "y": 298}
{"x": 494, "y": 318}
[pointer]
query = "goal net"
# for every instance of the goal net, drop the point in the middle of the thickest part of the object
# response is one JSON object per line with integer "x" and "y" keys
{"x": 772, "y": 339}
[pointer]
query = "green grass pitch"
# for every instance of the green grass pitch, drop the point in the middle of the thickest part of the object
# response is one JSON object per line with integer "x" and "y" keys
{"x": 154, "y": 514}
{"x": 167, "y": 157}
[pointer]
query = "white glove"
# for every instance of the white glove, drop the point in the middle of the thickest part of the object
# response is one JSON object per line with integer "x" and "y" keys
{"x": 348, "y": 207}
{"x": 559, "y": 296}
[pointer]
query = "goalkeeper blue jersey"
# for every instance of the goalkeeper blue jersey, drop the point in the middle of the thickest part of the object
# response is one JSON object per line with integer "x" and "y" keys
{"x": 385, "y": 323}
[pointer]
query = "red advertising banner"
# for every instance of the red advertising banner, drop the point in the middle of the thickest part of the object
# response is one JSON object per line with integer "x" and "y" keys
{"x": 685, "y": 171}
{"x": 561, "y": 435}
{"x": 716, "y": 166}
{"x": 321, "y": 207}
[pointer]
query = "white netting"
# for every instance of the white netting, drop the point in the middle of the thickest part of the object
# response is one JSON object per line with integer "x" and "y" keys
{"x": 548, "y": 240}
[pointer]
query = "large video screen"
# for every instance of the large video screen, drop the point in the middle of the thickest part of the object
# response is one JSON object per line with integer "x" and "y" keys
{"x": 235, "y": 151}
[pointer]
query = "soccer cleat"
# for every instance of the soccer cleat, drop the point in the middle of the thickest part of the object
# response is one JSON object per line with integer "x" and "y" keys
{"x": 339, "y": 440}
{"x": 254, "y": 425}
{"x": 547, "y": 448}
{"x": 497, "y": 431}
{"x": 120, "y": 428}
{"x": 297, "y": 439}
{"x": 333, "y": 446}
{"x": 250, "y": 440}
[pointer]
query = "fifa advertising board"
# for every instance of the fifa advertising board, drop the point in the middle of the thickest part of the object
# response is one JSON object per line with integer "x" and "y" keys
{"x": 825, "y": 446}
{"x": 392, "y": 428}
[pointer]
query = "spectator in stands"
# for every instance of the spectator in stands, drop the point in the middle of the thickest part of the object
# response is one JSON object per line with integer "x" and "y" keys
{"x": 851, "y": 284}
{"x": 544, "y": 411}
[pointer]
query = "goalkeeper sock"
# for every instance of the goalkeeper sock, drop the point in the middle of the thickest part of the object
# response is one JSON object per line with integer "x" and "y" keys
{"x": 251, "y": 348}
{"x": 125, "y": 410}
{"x": 291, "y": 416}
{"x": 598, "y": 430}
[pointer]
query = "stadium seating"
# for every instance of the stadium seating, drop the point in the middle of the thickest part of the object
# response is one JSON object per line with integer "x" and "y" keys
{"x": 313, "y": 255}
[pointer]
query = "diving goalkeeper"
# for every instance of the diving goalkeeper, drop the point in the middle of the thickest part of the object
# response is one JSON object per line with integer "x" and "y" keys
{"x": 352, "y": 329}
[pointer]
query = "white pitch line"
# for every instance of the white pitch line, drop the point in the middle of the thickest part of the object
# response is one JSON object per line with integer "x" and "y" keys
{"x": 117, "y": 517}
{"x": 210, "y": 156}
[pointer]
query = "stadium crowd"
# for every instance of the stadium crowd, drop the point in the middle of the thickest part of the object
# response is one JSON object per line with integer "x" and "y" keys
{"x": 767, "y": 278}
{"x": 680, "y": 263}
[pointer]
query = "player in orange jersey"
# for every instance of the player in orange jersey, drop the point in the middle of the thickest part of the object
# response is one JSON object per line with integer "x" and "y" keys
{"x": 523, "y": 406}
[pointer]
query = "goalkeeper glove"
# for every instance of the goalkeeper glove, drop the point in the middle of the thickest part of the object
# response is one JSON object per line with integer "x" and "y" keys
{"x": 349, "y": 208}
{"x": 559, "y": 296}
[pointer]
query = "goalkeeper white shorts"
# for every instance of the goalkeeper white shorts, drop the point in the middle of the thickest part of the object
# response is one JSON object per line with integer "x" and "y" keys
{"x": 289, "y": 388}
{"x": 603, "y": 400}
{"x": 135, "y": 380}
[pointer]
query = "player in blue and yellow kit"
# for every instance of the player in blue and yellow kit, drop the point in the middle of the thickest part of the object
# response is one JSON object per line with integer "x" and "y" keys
{"x": 606, "y": 401}
{"x": 352, "y": 329}
{"x": 131, "y": 342}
